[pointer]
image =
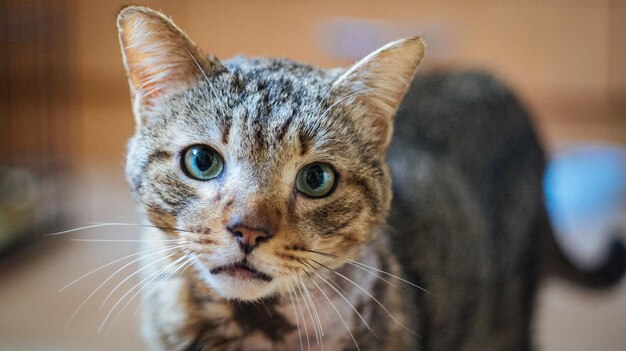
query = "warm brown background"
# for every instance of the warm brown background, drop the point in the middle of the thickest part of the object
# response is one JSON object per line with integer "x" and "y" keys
{"x": 565, "y": 58}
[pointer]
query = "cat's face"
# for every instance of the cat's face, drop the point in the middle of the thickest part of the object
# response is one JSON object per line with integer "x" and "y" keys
{"x": 265, "y": 167}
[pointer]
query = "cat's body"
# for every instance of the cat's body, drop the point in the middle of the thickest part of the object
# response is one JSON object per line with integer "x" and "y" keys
{"x": 269, "y": 185}
{"x": 468, "y": 210}
{"x": 446, "y": 234}
{"x": 183, "y": 314}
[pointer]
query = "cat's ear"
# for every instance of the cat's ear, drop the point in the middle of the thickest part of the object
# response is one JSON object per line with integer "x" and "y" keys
{"x": 378, "y": 83}
{"x": 159, "y": 58}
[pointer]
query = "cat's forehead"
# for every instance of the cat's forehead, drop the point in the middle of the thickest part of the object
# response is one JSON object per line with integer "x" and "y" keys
{"x": 270, "y": 106}
{"x": 279, "y": 70}
{"x": 270, "y": 85}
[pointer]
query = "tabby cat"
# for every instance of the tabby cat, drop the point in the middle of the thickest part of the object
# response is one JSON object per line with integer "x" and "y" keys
{"x": 269, "y": 182}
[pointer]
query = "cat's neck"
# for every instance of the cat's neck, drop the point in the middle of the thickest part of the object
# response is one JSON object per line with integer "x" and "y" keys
{"x": 355, "y": 301}
{"x": 336, "y": 308}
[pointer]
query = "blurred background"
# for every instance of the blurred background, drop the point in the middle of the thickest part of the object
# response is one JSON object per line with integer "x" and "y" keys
{"x": 65, "y": 118}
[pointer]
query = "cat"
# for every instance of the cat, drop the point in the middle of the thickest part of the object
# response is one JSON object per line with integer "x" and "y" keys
{"x": 275, "y": 224}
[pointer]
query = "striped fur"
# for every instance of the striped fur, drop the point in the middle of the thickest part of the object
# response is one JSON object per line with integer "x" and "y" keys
{"x": 464, "y": 224}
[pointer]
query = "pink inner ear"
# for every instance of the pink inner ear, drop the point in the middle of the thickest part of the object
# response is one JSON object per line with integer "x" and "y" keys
{"x": 158, "y": 55}
{"x": 153, "y": 81}
{"x": 152, "y": 74}
{"x": 140, "y": 77}
{"x": 387, "y": 73}
{"x": 379, "y": 81}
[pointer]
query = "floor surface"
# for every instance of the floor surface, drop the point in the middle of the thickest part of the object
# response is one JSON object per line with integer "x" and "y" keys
{"x": 34, "y": 315}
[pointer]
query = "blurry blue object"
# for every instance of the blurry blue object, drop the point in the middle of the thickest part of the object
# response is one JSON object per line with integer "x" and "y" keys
{"x": 585, "y": 187}
{"x": 351, "y": 39}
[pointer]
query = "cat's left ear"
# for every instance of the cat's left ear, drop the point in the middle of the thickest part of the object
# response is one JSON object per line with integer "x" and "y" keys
{"x": 378, "y": 83}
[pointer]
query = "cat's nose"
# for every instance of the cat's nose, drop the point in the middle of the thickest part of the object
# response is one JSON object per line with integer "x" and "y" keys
{"x": 249, "y": 238}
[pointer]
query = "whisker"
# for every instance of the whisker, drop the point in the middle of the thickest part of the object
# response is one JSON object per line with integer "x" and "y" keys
{"x": 319, "y": 328}
{"x": 144, "y": 225}
{"x": 310, "y": 277}
{"x": 111, "y": 276}
{"x": 115, "y": 224}
{"x": 317, "y": 311}
{"x": 106, "y": 265}
{"x": 145, "y": 297}
{"x": 359, "y": 267}
{"x": 199, "y": 67}
{"x": 150, "y": 277}
{"x": 363, "y": 266}
{"x": 338, "y": 314}
{"x": 386, "y": 273}
{"x": 265, "y": 307}
{"x": 367, "y": 90}
{"x": 80, "y": 228}
{"x": 306, "y": 290}
{"x": 306, "y": 332}
{"x": 124, "y": 240}
{"x": 180, "y": 268}
{"x": 306, "y": 304}
{"x": 326, "y": 95}
{"x": 291, "y": 297}
{"x": 135, "y": 273}
{"x": 314, "y": 269}
{"x": 372, "y": 297}
{"x": 325, "y": 279}
{"x": 206, "y": 77}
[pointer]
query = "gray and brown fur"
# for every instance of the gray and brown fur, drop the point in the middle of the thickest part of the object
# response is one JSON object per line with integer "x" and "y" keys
{"x": 466, "y": 222}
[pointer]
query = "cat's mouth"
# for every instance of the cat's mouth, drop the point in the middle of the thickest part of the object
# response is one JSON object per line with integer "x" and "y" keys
{"x": 241, "y": 270}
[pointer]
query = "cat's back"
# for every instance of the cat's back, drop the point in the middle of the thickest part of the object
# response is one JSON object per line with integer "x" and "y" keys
{"x": 467, "y": 168}
{"x": 468, "y": 116}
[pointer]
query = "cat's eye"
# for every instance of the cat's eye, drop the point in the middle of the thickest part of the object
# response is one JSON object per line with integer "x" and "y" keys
{"x": 201, "y": 162}
{"x": 316, "y": 180}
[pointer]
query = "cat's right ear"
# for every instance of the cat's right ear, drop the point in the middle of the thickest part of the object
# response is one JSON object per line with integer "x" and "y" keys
{"x": 378, "y": 83}
{"x": 159, "y": 58}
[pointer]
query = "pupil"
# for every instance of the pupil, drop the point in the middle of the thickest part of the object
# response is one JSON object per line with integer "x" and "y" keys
{"x": 315, "y": 177}
{"x": 204, "y": 160}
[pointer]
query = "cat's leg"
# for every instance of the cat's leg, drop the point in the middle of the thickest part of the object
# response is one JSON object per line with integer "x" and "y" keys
{"x": 479, "y": 262}
{"x": 517, "y": 227}
{"x": 441, "y": 237}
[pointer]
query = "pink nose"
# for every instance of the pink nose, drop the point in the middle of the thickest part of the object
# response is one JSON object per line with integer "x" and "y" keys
{"x": 249, "y": 238}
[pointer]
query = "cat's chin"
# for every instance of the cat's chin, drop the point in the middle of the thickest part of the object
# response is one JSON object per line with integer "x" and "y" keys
{"x": 235, "y": 284}
{"x": 233, "y": 287}
{"x": 238, "y": 280}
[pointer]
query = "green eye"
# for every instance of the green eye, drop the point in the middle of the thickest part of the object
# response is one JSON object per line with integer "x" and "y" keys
{"x": 202, "y": 162}
{"x": 316, "y": 180}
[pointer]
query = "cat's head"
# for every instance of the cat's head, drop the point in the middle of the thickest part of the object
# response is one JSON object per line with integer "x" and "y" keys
{"x": 268, "y": 167}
